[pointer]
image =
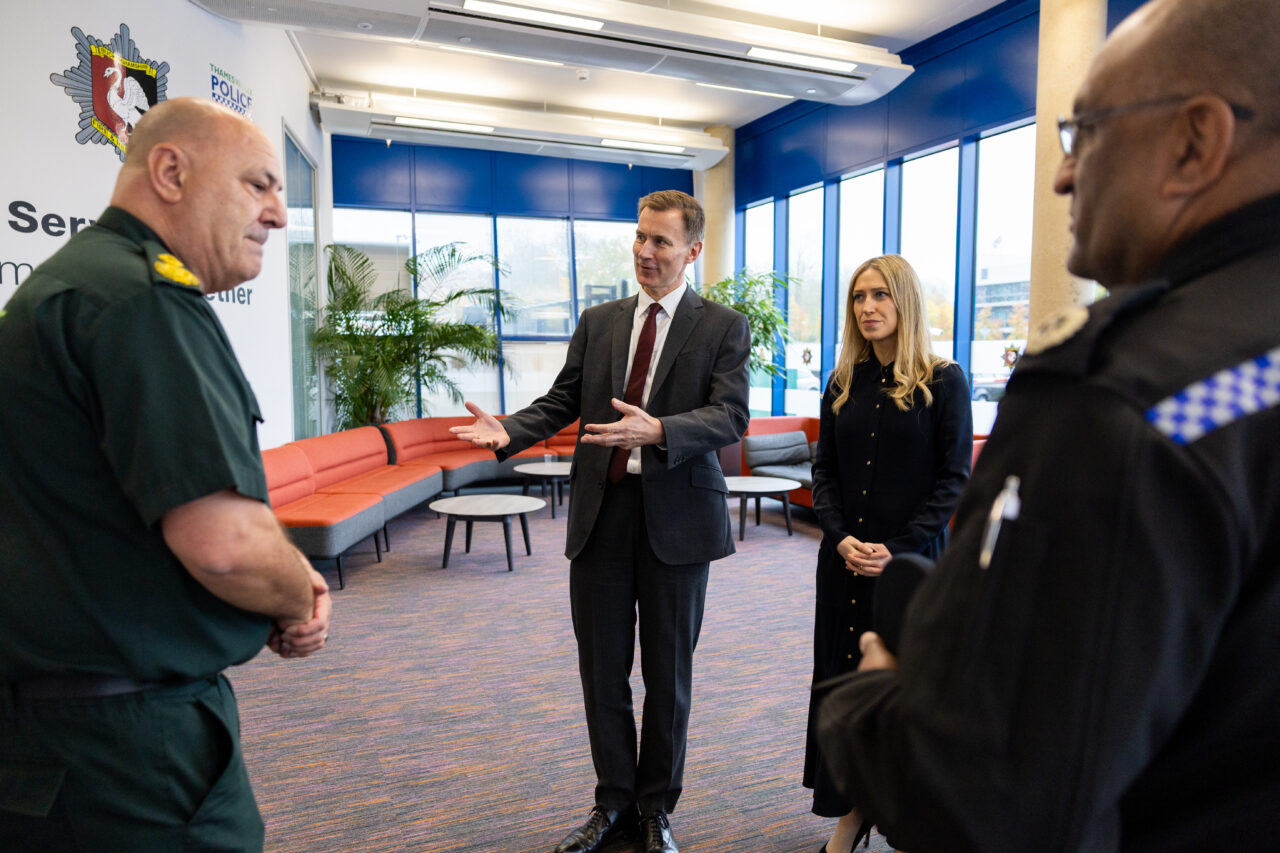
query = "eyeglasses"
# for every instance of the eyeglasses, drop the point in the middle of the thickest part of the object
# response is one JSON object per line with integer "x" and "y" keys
{"x": 1068, "y": 128}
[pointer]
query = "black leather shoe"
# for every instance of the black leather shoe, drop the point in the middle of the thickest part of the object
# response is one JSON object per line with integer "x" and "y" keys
{"x": 603, "y": 825}
{"x": 655, "y": 834}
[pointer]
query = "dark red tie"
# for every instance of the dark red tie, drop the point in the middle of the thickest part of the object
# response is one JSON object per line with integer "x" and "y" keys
{"x": 635, "y": 385}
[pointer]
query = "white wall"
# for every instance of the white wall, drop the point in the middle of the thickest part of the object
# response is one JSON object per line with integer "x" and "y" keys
{"x": 42, "y": 165}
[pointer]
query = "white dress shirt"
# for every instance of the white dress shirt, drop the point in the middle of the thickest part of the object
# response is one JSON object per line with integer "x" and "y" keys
{"x": 662, "y": 323}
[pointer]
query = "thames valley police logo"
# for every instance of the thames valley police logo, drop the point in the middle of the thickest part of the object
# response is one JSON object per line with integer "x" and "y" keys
{"x": 114, "y": 85}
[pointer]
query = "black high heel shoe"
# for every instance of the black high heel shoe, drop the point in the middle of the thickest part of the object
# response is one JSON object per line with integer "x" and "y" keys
{"x": 864, "y": 834}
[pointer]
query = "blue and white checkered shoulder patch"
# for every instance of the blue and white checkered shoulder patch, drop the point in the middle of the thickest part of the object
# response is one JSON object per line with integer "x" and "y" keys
{"x": 1226, "y": 396}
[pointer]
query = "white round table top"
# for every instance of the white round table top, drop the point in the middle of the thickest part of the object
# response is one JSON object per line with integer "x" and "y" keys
{"x": 545, "y": 469}
{"x": 761, "y": 485}
{"x": 487, "y": 504}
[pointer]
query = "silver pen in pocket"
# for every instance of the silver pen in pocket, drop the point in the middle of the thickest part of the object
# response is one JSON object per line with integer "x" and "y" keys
{"x": 1005, "y": 507}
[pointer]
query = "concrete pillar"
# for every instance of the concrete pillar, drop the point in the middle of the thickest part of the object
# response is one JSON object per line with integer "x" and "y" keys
{"x": 1071, "y": 31}
{"x": 714, "y": 188}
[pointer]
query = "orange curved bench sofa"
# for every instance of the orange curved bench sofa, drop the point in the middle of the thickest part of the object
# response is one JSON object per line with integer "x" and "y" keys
{"x": 333, "y": 491}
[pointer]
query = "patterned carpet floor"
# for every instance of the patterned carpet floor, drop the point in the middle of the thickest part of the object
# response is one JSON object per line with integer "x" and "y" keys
{"x": 445, "y": 713}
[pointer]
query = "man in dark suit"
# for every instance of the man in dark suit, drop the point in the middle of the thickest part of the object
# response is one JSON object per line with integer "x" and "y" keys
{"x": 659, "y": 381}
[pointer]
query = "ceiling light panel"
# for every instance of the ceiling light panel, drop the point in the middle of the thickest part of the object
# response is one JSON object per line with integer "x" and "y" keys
{"x": 656, "y": 147}
{"x": 537, "y": 16}
{"x": 432, "y": 124}
{"x": 803, "y": 60}
{"x": 491, "y": 55}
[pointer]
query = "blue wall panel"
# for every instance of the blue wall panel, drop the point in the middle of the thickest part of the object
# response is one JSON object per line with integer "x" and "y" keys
{"x": 366, "y": 173}
{"x": 453, "y": 179}
{"x": 605, "y": 190}
{"x": 967, "y": 80}
{"x": 528, "y": 184}
{"x": 1118, "y": 10}
{"x": 928, "y": 107}
{"x": 369, "y": 174}
{"x": 654, "y": 179}
{"x": 749, "y": 169}
{"x": 856, "y": 136}
{"x": 1000, "y": 80}
{"x": 797, "y": 153}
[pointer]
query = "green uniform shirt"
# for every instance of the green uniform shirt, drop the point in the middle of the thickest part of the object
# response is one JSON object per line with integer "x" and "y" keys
{"x": 120, "y": 399}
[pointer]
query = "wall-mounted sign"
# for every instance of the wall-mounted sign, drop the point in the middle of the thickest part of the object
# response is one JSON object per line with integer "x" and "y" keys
{"x": 114, "y": 85}
{"x": 230, "y": 92}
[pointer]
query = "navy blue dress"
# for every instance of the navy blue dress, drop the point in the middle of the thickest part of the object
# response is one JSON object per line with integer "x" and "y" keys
{"x": 880, "y": 475}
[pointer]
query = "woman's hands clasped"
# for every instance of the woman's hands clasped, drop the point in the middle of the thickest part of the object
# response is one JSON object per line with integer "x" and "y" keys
{"x": 863, "y": 558}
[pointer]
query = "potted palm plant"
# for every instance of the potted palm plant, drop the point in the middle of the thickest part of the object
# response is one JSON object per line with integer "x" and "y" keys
{"x": 378, "y": 348}
{"x": 755, "y": 295}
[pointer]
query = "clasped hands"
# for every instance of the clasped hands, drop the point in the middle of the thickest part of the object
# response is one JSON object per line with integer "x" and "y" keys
{"x": 868, "y": 558}
{"x": 636, "y": 428}
{"x": 863, "y": 558}
{"x": 300, "y": 639}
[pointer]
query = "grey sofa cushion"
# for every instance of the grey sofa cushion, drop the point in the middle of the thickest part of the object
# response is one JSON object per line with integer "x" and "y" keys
{"x": 802, "y": 473}
{"x": 777, "y": 448}
{"x": 813, "y": 451}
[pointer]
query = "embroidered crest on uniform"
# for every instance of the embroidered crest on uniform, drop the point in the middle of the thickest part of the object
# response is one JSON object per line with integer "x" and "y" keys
{"x": 174, "y": 270}
{"x": 1226, "y": 396}
{"x": 114, "y": 85}
{"x": 1058, "y": 329}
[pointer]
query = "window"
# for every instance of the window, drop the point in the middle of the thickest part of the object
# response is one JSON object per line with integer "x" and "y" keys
{"x": 861, "y": 233}
{"x": 758, "y": 257}
{"x": 930, "y": 185}
{"x": 537, "y": 253}
{"x": 476, "y": 235}
{"x": 535, "y": 365}
{"x": 383, "y": 235}
{"x": 1002, "y": 260}
{"x": 603, "y": 261}
{"x": 479, "y": 382}
{"x": 804, "y": 303}
{"x": 300, "y": 235}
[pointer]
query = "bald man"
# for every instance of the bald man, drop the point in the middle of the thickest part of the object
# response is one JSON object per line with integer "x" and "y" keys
{"x": 1093, "y": 664}
{"x": 138, "y": 555}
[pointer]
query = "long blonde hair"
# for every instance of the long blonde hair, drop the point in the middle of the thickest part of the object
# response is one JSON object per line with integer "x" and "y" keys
{"x": 915, "y": 362}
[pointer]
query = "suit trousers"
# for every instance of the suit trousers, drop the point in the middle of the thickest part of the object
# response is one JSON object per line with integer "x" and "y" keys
{"x": 615, "y": 579}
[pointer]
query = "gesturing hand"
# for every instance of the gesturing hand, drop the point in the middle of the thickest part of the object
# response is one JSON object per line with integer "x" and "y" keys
{"x": 636, "y": 428}
{"x": 485, "y": 431}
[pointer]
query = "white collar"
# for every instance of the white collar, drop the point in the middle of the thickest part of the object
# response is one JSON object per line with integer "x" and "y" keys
{"x": 668, "y": 302}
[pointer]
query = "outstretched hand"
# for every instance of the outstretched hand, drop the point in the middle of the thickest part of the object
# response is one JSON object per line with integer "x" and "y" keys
{"x": 636, "y": 428}
{"x": 485, "y": 431}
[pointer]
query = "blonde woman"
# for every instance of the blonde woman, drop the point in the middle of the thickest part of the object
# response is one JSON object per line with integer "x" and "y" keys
{"x": 894, "y": 449}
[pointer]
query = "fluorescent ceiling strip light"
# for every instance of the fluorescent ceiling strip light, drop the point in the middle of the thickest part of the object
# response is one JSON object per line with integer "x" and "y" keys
{"x": 432, "y": 124}
{"x": 647, "y": 125}
{"x": 493, "y": 55}
{"x": 747, "y": 91}
{"x": 538, "y": 16}
{"x": 800, "y": 59}
{"x": 655, "y": 147}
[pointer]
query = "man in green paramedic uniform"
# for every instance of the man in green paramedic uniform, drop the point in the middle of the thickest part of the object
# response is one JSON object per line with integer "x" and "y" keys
{"x": 138, "y": 556}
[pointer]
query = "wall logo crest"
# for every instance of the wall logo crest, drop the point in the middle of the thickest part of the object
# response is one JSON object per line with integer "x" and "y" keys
{"x": 114, "y": 85}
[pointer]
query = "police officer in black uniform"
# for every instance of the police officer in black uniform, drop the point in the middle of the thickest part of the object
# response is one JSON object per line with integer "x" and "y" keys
{"x": 1093, "y": 664}
{"x": 138, "y": 556}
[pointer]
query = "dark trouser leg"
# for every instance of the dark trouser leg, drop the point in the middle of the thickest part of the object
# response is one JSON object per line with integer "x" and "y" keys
{"x": 602, "y": 597}
{"x": 671, "y": 600}
{"x": 153, "y": 771}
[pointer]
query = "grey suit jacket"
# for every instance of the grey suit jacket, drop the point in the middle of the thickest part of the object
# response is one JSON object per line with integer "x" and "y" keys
{"x": 699, "y": 393}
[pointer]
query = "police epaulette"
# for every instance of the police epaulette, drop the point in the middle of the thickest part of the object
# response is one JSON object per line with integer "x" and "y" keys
{"x": 1066, "y": 343}
{"x": 167, "y": 269}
